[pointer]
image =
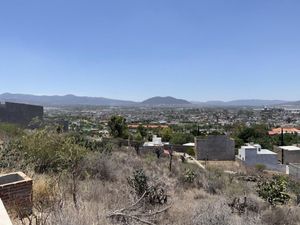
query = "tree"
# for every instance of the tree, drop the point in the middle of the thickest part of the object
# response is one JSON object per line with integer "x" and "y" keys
{"x": 72, "y": 154}
{"x": 118, "y": 126}
{"x": 181, "y": 138}
{"x": 138, "y": 140}
{"x": 142, "y": 130}
{"x": 166, "y": 134}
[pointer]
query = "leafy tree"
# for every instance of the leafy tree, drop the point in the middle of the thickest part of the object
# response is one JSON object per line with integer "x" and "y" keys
{"x": 249, "y": 134}
{"x": 142, "y": 131}
{"x": 166, "y": 134}
{"x": 138, "y": 140}
{"x": 118, "y": 126}
{"x": 181, "y": 138}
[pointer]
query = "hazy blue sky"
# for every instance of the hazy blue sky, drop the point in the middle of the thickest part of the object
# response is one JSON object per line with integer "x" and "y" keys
{"x": 134, "y": 49}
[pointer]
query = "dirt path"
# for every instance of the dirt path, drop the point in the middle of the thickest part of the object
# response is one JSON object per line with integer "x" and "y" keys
{"x": 190, "y": 159}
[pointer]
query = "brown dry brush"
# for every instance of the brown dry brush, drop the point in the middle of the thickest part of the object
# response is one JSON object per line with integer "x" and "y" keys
{"x": 135, "y": 212}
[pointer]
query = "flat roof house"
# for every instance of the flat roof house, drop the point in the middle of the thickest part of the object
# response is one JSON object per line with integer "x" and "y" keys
{"x": 253, "y": 154}
{"x": 288, "y": 154}
{"x": 286, "y": 130}
{"x": 156, "y": 142}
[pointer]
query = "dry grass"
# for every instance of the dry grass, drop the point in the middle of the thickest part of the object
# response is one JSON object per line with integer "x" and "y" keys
{"x": 191, "y": 203}
{"x": 225, "y": 165}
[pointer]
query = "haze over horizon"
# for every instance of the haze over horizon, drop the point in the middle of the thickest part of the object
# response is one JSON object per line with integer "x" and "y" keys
{"x": 134, "y": 50}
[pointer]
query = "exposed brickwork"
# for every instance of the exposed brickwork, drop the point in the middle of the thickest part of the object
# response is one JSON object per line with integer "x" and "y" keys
{"x": 17, "y": 193}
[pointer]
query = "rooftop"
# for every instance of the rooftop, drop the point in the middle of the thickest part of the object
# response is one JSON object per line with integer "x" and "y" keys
{"x": 290, "y": 148}
{"x": 266, "y": 152}
{"x": 289, "y": 130}
{"x": 257, "y": 147}
{"x": 189, "y": 144}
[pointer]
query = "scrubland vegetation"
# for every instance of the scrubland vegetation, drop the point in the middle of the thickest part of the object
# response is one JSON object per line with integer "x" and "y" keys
{"x": 77, "y": 181}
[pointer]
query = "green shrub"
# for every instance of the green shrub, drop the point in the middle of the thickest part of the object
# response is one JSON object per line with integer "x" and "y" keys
{"x": 139, "y": 182}
{"x": 191, "y": 151}
{"x": 11, "y": 130}
{"x": 48, "y": 151}
{"x": 260, "y": 167}
{"x": 154, "y": 194}
{"x": 274, "y": 190}
{"x": 189, "y": 176}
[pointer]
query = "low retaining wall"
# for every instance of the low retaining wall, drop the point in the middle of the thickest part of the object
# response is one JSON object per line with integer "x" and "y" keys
{"x": 16, "y": 192}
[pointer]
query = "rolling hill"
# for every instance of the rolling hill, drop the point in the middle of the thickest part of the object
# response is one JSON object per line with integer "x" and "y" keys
{"x": 165, "y": 101}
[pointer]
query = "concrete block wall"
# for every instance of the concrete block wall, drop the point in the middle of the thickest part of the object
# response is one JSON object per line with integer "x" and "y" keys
{"x": 288, "y": 156}
{"x": 279, "y": 152}
{"x": 215, "y": 147}
{"x": 294, "y": 170}
{"x": 20, "y": 113}
{"x": 291, "y": 157}
{"x": 270, "y": 161}
{"x": 16, "y": 192}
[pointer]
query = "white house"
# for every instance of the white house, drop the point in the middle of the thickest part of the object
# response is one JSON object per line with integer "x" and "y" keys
{"x": 253, "y": 154}
{"x": 156, "y": 141}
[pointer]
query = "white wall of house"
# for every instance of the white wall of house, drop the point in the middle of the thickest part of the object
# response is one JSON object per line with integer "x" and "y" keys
{"x": 252, "y": 155}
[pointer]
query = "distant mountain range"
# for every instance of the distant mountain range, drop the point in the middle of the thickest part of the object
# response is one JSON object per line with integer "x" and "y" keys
{"x": 72, "y": 100}
{"x": 245, "y": 102}
{"x": 66, "y": 100}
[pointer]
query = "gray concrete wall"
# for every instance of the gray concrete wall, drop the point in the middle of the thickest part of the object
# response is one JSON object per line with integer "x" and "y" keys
{"x": 294, "y": 170}
{"x": 20, "y": 113}
{"x": 277, "y": 149}
{"x": 270, "y": 161}
{"x": 215, "y": 147}
{"x": 291, "y": 157}
{"x": 287, "y": 157}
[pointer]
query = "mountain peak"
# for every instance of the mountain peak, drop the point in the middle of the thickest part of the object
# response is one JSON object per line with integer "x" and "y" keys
{"x": 168, "y": 100}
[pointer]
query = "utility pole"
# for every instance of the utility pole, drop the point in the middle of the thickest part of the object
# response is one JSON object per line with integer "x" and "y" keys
{"x": 171, "y": 157}
{"x": 282, "y": 137}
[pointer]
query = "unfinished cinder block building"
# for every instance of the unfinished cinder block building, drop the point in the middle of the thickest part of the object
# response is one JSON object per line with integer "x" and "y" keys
{"x": 288, "y": 154}
{"x": 18, "y": 113}
{"x": 215, "y": 147}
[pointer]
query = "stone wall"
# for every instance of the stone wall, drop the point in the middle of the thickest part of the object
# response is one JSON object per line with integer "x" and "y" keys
{"x": 16, "y": 192}
{"x": 215, "y": 147}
